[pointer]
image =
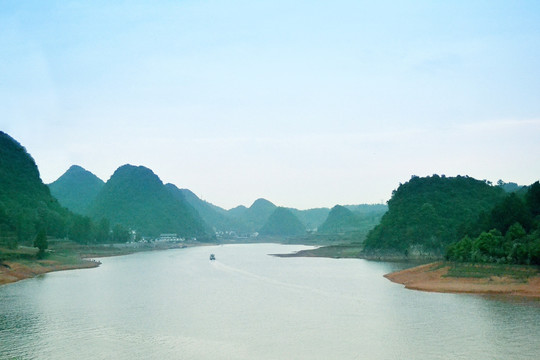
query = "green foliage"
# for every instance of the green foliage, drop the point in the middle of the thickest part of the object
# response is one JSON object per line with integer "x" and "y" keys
{"x": 103, "y": 231}
{"x": 342, "y": 220}
{"x": 512, "y": 217}
{"x": 120, "y": 234}
{"x": 26, "y": 204}
{"x": 431, "y": 213}
{"x": 136, "y": 198}
{"x": 468, "y": 270}
{"x": 257, "y": 215}
{"x": 283, "y": 222}
{"x": 41, "y": 243}
{"x": 76, "y": 189}
{"x": 81, "y": 229}
{"x": 509, "y": 211}
{"x": 532, "y": 199}
{"x": 516, "y": 247}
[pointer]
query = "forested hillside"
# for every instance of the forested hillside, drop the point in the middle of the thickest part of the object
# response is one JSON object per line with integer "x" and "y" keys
{"x": 26, "y": 205}
{"x": 254, "y": 217}
{"x": 339, "y": 220}
{"x": 217, "y": 218}
{"x": 136, "y": 198}
{"x": 508, "y": 234}
{"x": 427, "y": 214}
{"x": 342, "y": 220}
{"x": 311, "y": 218}
{"x": 282, "y": 222}
{"x": 76, "y": 189}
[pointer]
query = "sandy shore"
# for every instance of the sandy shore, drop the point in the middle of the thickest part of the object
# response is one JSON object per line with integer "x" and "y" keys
{"x": 433, "y": 277}
{"x": 11, "y": 271}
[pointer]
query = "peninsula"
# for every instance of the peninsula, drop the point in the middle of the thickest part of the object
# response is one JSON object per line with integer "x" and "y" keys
{"x": 522, "y": 281}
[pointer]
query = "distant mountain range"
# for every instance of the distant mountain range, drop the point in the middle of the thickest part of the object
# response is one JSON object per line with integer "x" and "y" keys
{"x": 82, "y": 207}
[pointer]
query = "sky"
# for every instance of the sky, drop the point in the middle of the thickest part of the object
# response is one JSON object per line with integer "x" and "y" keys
{"x": 305, "y": 103}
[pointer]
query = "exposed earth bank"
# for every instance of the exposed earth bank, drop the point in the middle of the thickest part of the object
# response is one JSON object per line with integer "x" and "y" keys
{"x": 471, "y": 278}
{"x": 11, "y": 271}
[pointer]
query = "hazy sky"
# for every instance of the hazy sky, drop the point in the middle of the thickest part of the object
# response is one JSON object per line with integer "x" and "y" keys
{"x": 305, "y": 103}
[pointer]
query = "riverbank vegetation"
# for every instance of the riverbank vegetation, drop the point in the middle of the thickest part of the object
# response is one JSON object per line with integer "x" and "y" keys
{"x": 508, "y": 234}
{"x": 25, "y": 262}
{"x": 427, "y": 214}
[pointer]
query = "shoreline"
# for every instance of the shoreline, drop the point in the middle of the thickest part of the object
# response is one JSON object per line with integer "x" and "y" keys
{"x": 13, "y": 271}
{"x": 437, "y": 277}
{"x": 82, "y": 258}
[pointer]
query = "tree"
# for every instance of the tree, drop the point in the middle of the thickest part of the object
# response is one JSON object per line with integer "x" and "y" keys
{"x": 532, "y": 199}
{"x": 511, "y": 210}
{"x": 41, "y": 243}
{"x": 103, "y": 231}
{"x": 80, "y": 229}
{"x": 120, "y": 234}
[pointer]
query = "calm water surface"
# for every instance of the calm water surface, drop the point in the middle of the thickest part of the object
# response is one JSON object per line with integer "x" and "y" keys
{"x": 177, "y": 304}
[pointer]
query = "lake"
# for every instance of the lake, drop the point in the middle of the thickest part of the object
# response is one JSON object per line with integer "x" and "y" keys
{"x": 177, "y": 304}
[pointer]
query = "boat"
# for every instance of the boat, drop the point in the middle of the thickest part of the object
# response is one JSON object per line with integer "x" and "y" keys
{"x": 212, "y": 257}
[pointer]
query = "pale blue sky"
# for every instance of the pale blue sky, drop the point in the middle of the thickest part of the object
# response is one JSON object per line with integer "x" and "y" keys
{"x": 305, "y": 103}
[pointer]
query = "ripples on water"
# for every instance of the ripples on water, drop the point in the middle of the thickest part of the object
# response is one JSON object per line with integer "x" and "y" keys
{"x": 177, "y": 304}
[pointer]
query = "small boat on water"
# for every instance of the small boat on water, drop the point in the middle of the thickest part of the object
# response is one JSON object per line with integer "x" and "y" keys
{"x": 212, "y": 257}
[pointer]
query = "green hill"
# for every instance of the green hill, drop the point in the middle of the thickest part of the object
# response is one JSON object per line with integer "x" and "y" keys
{"x": 282, "y": 222}
{"x": 368, "y": 209}
{"x": 217, "y": 218}
{"x": 76, "y": 189}
{"x": 340, "y": 220}
{"x": 136, "y": 198}
{"x": 311, "y": 218}
{"x": 255, "y": 216}
{"x": 26, "y": 204}
{"x": 426, "y": 214}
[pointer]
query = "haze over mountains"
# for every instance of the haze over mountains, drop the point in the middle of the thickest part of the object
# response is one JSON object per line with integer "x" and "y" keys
{"x": 425, "y": 214}
{"x": 135, "y": 201}
{"x": 136, "y": 197}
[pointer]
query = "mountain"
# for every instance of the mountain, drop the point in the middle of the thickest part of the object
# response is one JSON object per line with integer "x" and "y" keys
{"x": 426, "y": 214}
{"x": 76, "y": 189}
{"x": 26, "y": 204}
{"x": 255, "y": 216}
{"x": 238, "y": 211}
{"x": 135, "y": 197}
{"x": 368, "y": 209}
{"x": 311, "y": 218}
{"x": 340, "y": 220}
{"x": 217, "y": 218}
{"x": 282, "y": 222}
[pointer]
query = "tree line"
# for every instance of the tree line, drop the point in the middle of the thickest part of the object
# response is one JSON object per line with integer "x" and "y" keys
{"x": 509, "y": 233}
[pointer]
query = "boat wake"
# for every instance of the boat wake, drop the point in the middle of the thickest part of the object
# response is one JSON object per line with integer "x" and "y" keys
{"x": 296, "y": 287}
